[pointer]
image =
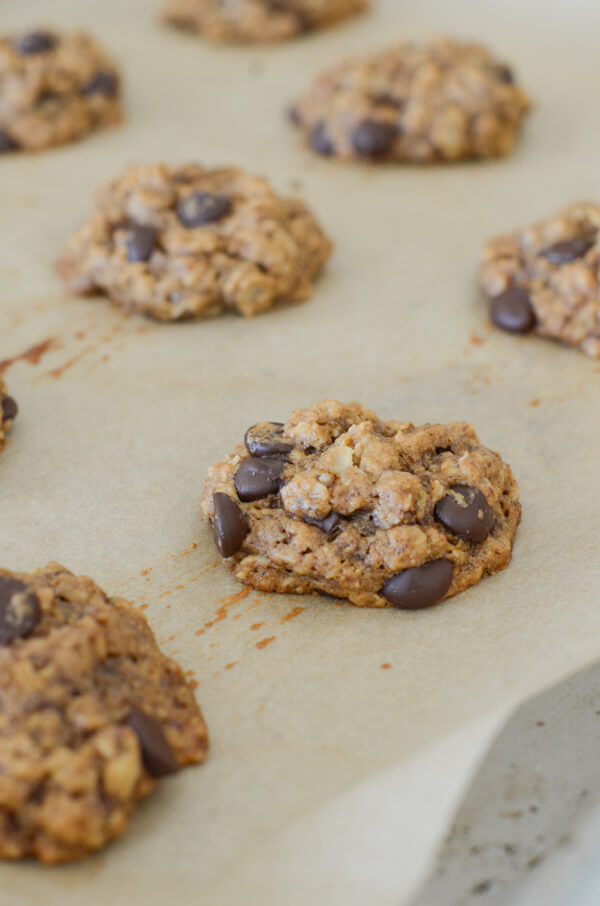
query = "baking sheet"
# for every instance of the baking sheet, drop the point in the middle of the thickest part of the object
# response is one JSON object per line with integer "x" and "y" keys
{"x": 330, "y": 778}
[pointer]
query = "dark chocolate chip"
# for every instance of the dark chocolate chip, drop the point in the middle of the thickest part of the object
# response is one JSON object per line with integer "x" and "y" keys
{"x": 157, "y": 754}
{"x": 568, "y": 250}
{"x": 320, "y": 142}
{"x": 328, "y": 525}
{"x": 265, "y": 439}
{"x": 504, "y": 73}
{"x": 9, "y": 409}
{"x": 34, "y": 42}
{"x": 466, "y": 513}
{"x": 258, "y": 478}
{"x": 7, "y": 143}
{"x": 202, "y": 208}
{"x": 420, "y": 586}
{"x": 140, "y": 242}
{"x": 373, "y": 138}
{"x": 19, "y": 609}
{"x": 230, "y": 525}
{"x": 103, "y": 82}
{"x": 512, "y": 310}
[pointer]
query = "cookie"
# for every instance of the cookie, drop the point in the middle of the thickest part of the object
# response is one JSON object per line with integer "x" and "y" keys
{"x": 382, "y": 513}
{"x": 183, "y": 242}
{"x": 544, "y": 278}
{"x": 8, "y": 412}
{"x": 257, "y": 21}
{"x": 54, "y": 88}
{"x": 420, "y": 103}
{"x": 92, "y": 715}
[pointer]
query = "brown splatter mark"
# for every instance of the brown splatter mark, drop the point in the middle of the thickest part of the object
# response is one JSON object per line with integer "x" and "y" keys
{"x": 58, "y": 372}
{"x": 292, "y": 614}
{"x": 169, "y": 591}
{"x": 143, "y": 607}
{"x": 264, "y": 642}
{"x": 230, "y": 665}
{"x": 476, "y": 340}
{"x": 534, "y": 403}
{"x": 256, "y": 626}
{"x": 202, "y": 572}
{"x": 32, "y": 355}
{"x": 193, "y": 684}
{"x": 145, "y": 572}
{"x": 185, "y": 553}
{"x": 386, "y": 666}
{"x": 221, "y": 611}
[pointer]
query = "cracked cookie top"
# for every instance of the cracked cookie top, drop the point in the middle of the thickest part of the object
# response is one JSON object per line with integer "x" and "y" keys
{"x": 54, "y": 88}
{"x": 546, "y": 278}
{"x": 257, "y": 21}
{"x": 417, "y": 102}
{"x": 379, "y": 512}
{"x": 92, "y": 713}
{"x": 182, "y": 242}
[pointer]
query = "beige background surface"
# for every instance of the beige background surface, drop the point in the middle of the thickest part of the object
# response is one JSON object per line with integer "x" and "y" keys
{"x": 120, "y": 419}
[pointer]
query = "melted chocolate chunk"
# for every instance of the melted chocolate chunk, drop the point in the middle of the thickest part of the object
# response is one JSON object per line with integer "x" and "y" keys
{"x": 419, "y": 587}
{"x": 19, "y": 609}
{"x": 230, "y": 525}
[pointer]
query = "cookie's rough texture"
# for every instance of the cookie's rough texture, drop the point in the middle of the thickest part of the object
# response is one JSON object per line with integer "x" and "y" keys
{"x": 439, "y": 101}
{"x": 546, "y": 278}
{"x": 54, "y": 88}
{"x": 257, "y": 21}
{"x": 382, "y": 513}
{"x": 186, "y": 241}
{"x": 91, "y": 712}
{"x": 8, "y": 411}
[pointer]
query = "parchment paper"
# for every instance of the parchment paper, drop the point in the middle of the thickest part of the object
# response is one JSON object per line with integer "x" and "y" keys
{"x": 330, "y": 779}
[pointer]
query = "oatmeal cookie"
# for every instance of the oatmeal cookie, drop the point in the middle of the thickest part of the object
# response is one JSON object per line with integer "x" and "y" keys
{"x": 546, "y": 278}
{"x": 257, "y": 21}
{"x": 8, "y": 412}
{"x": 54, "y": 88}
{"x": 420, "y": 103}
{"x": 186, "y": 242}
{"x": 92, "y": 714}
{"x": 382, "y": 513}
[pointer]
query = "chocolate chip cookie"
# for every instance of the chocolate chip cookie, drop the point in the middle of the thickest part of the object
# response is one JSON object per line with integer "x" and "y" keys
{"x": 437, "y": 101}
{"x": 54, "y": 88}
{"x": 8, "y": 411}
{"x": 382, "y": 513}
{"x": 92, "y": 714}
{"x": 183, "y": 242}
{"x": 545, "y": 278}
{"x": 257, "y": 21}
